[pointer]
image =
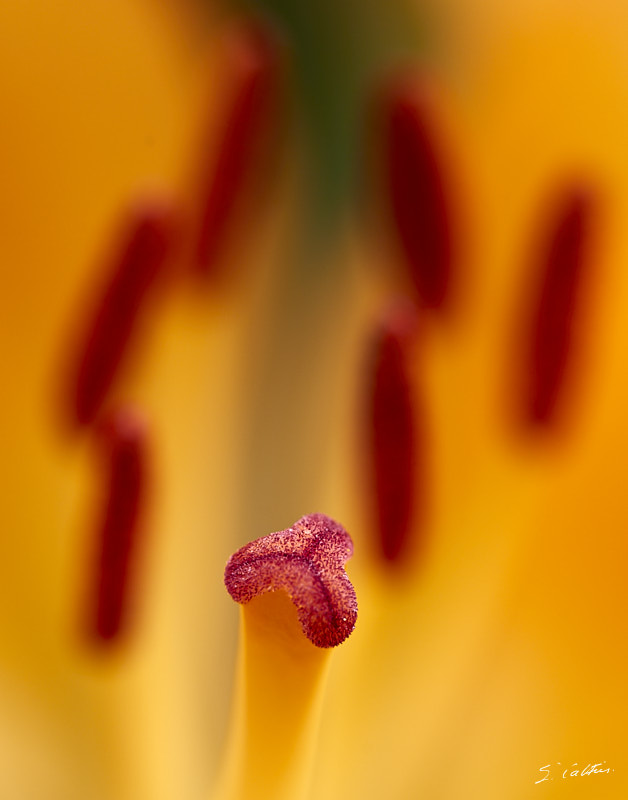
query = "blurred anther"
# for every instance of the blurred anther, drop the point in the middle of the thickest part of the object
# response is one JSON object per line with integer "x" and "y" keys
{"x": 124, "y": 442}
{"x": 393, "y": 433}
{"x": 251, "y": 74}
{"x": 416, "y": 183}
{"x": 135, "y": 263}
{"x": 560, "y": 271}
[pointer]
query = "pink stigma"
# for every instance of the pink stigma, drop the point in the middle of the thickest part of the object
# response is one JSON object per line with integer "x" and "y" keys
{"x": 306, "y": 561}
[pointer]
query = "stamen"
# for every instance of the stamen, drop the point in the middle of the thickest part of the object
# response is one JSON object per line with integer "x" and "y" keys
{"x": 561, "y": 267}
{"x": 306, "y": 561}
{"x": 125, "y": 472}
{"x": 416, "y": 181}
{"x": 393, "y": 431}
{"x": 290, "y": 583}
{"x": 252, "y": 64}
{"x": 136, "y": 264}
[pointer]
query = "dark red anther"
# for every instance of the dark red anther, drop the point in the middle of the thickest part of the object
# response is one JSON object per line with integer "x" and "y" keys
{"x": 561, "y": 268}
{"x": 393, "y": 432}
{"x": 137, "y": 261}
{"x": 125, "y": 475}
{"x": 251, "y": 74}
{"x": 417, "y": 186}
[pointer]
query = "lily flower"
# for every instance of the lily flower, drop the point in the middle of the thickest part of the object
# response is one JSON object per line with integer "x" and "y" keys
{"x": 298, "y": 290}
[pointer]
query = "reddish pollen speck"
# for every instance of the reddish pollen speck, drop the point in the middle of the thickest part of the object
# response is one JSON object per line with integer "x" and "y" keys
{"x": 393, "y": 435}
{"x": 251, "y": 71}
{"x": 136, "y": 263}
{"x": 418, "y": 197}
{"x": 124, "y": 439}
{"x": 306, "y": 561}
{"x": 561, "y": 272}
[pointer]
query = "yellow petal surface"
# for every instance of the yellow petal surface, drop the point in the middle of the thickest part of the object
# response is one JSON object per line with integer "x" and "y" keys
{"x": 501, "y": 646}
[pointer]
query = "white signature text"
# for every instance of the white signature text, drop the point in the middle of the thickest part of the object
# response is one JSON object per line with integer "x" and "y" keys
{"x": 574, "y": 771}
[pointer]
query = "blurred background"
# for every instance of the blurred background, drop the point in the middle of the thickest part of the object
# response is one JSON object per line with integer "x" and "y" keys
{"x": 267, "y": 259}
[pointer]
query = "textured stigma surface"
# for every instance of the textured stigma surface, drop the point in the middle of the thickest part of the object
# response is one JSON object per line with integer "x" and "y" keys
{"x": 306, "y": 561}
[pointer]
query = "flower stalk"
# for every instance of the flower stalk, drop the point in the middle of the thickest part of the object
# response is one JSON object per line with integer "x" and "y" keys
{"x": 280, "y": 685}
{"x": 297, "y": 604}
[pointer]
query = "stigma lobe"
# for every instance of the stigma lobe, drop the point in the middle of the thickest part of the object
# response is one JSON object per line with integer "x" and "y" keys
{"x": 416, "y": 183}
{"x": 561, "y": 268}
{"x": 307, "y": 562}
{"x": 253, "y": 64}
{"x": 124, "y": 440}
{"x": 136, "y": 264}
